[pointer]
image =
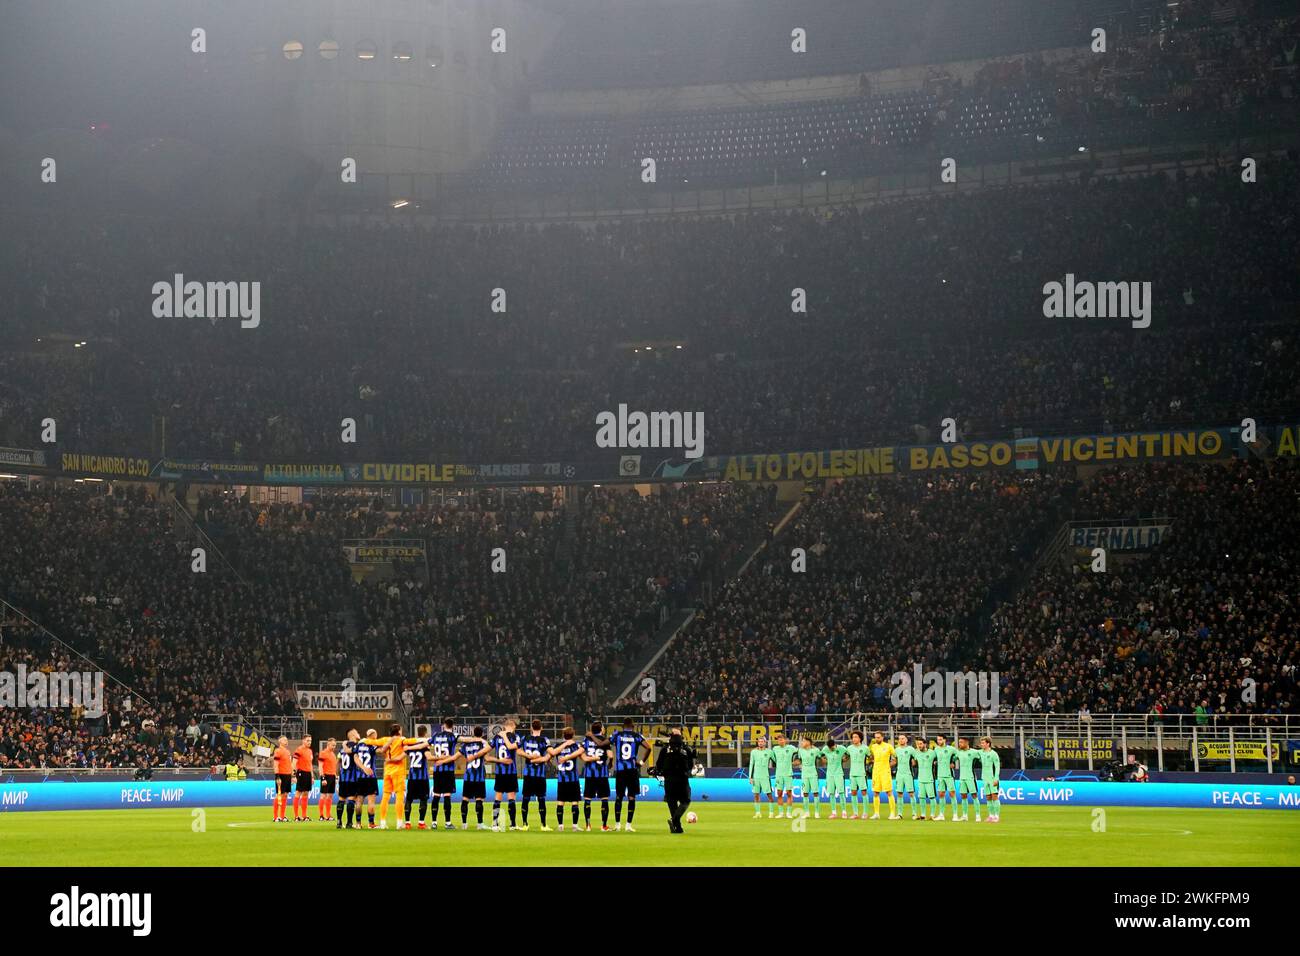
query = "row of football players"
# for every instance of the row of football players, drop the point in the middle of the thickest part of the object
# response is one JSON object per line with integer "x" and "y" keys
{"x": 943, "y": 774}
{"x": 420, "y": 770}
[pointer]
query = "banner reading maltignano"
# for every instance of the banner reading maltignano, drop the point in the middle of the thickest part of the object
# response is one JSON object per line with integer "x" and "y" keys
{"x": 345, "y": 699}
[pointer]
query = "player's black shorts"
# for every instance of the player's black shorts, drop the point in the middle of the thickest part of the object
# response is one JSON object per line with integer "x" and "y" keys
{"x": 366, "y": 787}
{"x": 627, "y": 783}
{"x": 506, "y": 783}
{"x": 284, "y": 783}
{"x": 473, "y": 789}
{"x": 327, "y": 783}
{"x": 595, "y": 788}
{"x": 444, "y": 782}
{"x": 417, "y": 790}
{"x": 347, "y": 789}
{"x": 304, "y": 781}
{"x": 534, "y": 786}
{"x": 567, "y": 791}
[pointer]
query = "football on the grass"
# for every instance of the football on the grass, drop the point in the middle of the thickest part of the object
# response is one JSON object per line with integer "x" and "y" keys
{"x": 692, "y": 818}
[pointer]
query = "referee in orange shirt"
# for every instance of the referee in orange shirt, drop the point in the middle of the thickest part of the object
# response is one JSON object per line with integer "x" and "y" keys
{"x": 329, "y": 775}
{"x": 282, "y": 761}
{"x": 302, "y": 765}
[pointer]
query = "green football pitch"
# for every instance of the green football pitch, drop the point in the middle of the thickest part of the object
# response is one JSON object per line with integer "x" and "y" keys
{"x": 725, "y": 835}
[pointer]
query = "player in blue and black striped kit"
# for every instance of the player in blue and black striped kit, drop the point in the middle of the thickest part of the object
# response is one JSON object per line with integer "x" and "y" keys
{"x": 536, "y": 748}
{"x": 595, "y": 774}
{"x": 417, "y": 787}
{"x": 505, "y": 779}
{"x": 442, "y": 759}
{"x": 352, "y": 774}
{"x": 474, "y": 784}
{"x": 568, "y": 768}
{"x": 626, "y": 745}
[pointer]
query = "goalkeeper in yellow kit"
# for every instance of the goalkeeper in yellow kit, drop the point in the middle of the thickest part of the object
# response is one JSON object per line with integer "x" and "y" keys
{"x": 882, "y": 780}
{"x": 393, "y": 747}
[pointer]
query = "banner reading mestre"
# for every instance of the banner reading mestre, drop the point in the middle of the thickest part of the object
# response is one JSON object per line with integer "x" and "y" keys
{"x": 1023, "y": 454}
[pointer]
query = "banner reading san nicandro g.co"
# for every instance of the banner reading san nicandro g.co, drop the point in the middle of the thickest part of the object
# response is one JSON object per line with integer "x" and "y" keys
{"x": 105, "y": 466}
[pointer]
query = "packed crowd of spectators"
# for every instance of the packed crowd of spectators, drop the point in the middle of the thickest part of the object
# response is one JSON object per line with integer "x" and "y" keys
{"x": 109, "y": 577}
{"x": 896, "y": 571}
{"x": 916, "y": 310}
{"x": 1206, "y": 621}
{"x": 1203, "y": 626}
{"x": 560, "y": 626}
{"x": 913, "y": 310}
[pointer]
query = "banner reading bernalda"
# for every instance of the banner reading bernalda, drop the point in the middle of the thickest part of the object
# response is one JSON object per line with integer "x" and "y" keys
{"x": 1022, "y": 454}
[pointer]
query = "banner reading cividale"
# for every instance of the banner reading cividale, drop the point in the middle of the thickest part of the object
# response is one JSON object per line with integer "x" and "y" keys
{"x": 1028, "y": 453}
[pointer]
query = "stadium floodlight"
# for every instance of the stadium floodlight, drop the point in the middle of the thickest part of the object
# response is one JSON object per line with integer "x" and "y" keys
{"x": 399, "y": 203}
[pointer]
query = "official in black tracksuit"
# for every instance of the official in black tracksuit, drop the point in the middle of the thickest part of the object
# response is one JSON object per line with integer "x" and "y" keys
{"x": 674, "y": 766}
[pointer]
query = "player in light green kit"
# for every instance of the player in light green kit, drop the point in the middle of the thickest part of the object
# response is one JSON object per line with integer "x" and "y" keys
{"x": 857, "y": 773}
{"x": 783, "y": 755}
{"x": 904, "y": 784}
{"x": 925, "y": 759}
{"x": 760, "y": 778}
{"x": 834, "y": 753}
{"x": 809, "y": 784}
{"x": 944, "y": 754}
{"x": 990, "y": 767}
{"x": 966, "y": 785}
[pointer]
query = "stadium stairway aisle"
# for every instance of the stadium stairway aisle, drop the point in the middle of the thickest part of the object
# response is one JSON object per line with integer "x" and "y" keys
{"x": 1020, "y": 577}
{"x": 677, "y": 622}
